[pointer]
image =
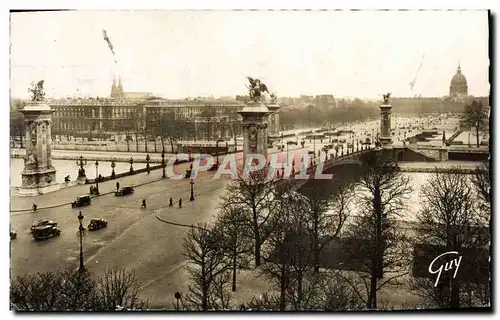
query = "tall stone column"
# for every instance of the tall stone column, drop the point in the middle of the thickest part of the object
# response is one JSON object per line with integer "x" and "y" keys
{"x": 273, "y": 121}
{"x": 255, "y": 129}
{"x": 385, "y": 124}
{"x": 38, "y": 176}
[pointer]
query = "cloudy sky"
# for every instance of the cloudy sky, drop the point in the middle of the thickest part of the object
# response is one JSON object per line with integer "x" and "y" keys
{"x": 178, "y": 54}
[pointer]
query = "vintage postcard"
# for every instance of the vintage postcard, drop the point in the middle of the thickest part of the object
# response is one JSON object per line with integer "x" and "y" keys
{"x": 250, "y": 160}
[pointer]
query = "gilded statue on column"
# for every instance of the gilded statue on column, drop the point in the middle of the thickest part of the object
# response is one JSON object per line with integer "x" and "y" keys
{"x": 37, "y": 93}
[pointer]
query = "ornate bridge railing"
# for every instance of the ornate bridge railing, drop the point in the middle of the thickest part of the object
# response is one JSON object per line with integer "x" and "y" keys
{"x": 351, "y": 158}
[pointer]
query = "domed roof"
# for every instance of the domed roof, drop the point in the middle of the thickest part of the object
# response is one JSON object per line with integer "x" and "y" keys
{"x": 458, "y": 78}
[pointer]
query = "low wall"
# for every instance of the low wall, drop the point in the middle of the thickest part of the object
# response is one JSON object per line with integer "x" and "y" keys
{"x": 468, "y": 156}
{"x": 108, "y": 146}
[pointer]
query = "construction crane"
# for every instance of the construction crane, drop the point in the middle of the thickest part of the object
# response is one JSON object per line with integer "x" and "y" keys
{"x": 412, "y": 84}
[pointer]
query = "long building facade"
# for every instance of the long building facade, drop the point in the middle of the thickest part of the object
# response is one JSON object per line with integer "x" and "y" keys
{"x": 184, "y": 119}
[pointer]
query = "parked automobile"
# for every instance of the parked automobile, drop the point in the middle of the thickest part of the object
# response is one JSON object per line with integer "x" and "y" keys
{"x": 96, "y": 224}
{"x": 124, "y": 191}
{"x": 45, "y": 232}
{"x": 44, "y": 222}
{"x": 13, "y": 235}
{"x": 81, "y": 201}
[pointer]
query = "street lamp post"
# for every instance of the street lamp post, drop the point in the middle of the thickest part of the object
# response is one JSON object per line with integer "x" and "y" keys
{"x": 131, "y": 161}
{"x": 469, "y": 140}
{"x": 82, "y": 162}
{"x": 163, "y": 163}
{"x": 96, "y": 177}
{"x": 80, "y": 228}
{"x": 113, "y": 165}
{"x": 177, "y": 297}
{"x": 192, "y": 191}
{"x": 147, "y": 162}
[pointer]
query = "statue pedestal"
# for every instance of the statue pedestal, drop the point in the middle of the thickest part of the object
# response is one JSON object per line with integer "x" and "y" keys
{"x": 81, "y": 179}
{"x": 255, "y": 125}
{"x": 385, "y": 126}
{"x": 38, "y": 182}
{"x": 38, "y": 176}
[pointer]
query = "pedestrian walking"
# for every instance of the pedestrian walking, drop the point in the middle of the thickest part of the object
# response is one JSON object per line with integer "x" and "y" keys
{"x": 180, "y": 203}
{"x": 171, "y": 202}
{"x": 143, "y": 203}
{"x": 117, "y": 185}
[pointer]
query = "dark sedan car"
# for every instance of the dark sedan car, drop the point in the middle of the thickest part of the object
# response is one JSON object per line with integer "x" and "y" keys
{"x": 96, "y": 224}
{"x": 124, "y": 191}
{"x": 81, "y": 201}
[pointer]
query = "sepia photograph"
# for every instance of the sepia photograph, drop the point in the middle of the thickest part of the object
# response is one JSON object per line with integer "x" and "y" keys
{"x": 250, "y": 160}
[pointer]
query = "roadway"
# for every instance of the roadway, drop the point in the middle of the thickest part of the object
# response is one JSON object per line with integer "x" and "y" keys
{"x": 135, "y": 237}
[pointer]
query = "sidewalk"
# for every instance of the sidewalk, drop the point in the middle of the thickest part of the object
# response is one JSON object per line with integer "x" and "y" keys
{"x": 67, "y": 195}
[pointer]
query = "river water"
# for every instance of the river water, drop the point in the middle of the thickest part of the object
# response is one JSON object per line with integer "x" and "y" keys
{"x": 69, "y": 167}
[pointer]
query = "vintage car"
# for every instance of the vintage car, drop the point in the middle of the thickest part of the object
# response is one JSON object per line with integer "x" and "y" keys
{"x": 41, "y": 223}
{"x": 124, "y": 191}
{"x": 13, "y": 235}
{"x": 81, "y": 201}
{"x": 96, "y": 224}
{"x": 45, "y": 232}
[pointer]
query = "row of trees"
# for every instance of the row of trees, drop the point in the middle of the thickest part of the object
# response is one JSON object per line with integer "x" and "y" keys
{"x": 474, "y": 112}
{"x": 319, "y": 255}
{"x": 70, "y": 290}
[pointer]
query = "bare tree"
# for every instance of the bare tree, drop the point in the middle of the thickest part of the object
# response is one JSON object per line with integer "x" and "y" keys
{"x": 209, "y": 114}
{"x": 288, "y": 258}
{"x": 137, "y": 126}
{"x": 475, "y": 116}
{"x": 382, "y": 191}
{"x": 449, "y": 219}
{"x": 207, "y": 262}
{"x": 71, "y": 290}
{"x": 117, "y": 289}
{"x": 327, "y": 216}
{"x": 253, "y": 194}
{"x": 234, "y": 235}
{"x": 170, "y": 127}
{"x": 481, "y": 180}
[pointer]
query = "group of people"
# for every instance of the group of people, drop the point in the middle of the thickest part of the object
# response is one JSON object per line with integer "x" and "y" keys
{"x": 144, "y": 205}
{"x": 170, "y": 203}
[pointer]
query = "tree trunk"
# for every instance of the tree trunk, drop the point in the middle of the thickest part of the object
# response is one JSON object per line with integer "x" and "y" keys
{"x": 377, "y": 199}
{"x": 155, "y": 143}
{"x": 299, "y": 289}
{"x": 316, "y": 245}
{"x": 128, "y": 142}
{"x": 477, "y": 135}
{"x": 162, "y": 143}
{"x": 256, "y": 232}
{"x": 172, "y": 144}
{"x": 204, "y": 300}
{"x": 283, "y": 286}
{"x": 372, "y": 297}
{"x": 455, "y": 294}
{"x": 234, "y": 272}
{"x": 257, "y": 251}
{"x": 145, "y": 142}
{"x": 136, "y": 141}
{"x": 21, "y": 138}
